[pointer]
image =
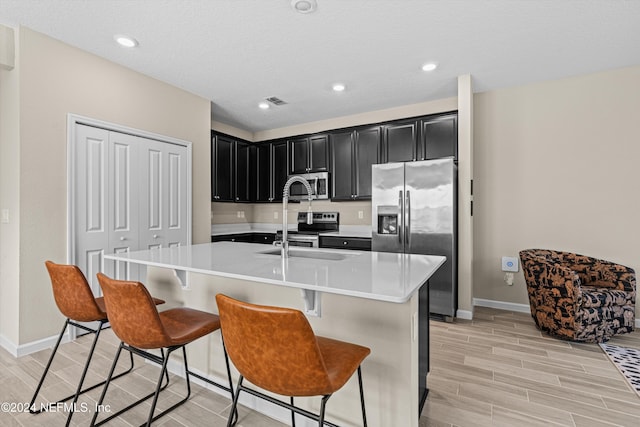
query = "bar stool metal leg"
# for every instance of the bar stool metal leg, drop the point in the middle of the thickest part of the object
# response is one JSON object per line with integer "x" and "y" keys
{"x": 322, "y": 407}
{"x": 79, "y": 389}
{"x": 364, "y": 414}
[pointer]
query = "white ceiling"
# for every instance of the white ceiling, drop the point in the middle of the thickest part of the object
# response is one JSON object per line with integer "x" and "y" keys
{"x": 238, "y": 52}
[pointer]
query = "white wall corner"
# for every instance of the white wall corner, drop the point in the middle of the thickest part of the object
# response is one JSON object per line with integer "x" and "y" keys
{"x": 8, "y": 345}
{"x": 7, "y": 48}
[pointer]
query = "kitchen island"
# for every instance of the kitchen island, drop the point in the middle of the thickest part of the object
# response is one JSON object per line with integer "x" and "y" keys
{"x": 374, "y": 299}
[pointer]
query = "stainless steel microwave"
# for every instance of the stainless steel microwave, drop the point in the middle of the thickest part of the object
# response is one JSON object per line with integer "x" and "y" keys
{"x": 319, "y": 183}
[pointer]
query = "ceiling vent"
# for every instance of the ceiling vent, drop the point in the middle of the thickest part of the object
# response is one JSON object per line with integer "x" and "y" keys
{"x": 275, "y": 100}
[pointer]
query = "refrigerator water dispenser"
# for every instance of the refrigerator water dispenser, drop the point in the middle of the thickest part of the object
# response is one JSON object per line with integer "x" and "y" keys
{"x": 388, "y": 220}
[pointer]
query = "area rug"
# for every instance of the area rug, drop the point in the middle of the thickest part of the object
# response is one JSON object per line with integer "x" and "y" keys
{"x": 627, "y": 360}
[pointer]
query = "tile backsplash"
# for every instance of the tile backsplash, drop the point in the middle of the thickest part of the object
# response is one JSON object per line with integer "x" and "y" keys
{"x": 271, "y": 213}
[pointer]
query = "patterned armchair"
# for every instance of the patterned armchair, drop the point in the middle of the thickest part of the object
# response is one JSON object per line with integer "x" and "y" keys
{"x": 579, "y": 298}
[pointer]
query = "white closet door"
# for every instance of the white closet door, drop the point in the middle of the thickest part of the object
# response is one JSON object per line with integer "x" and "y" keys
{"x": 128, "y": 193}
{"x": 91, "y": 236}
{"x": 123, "y": 194}
{"x": 163, "y": 194}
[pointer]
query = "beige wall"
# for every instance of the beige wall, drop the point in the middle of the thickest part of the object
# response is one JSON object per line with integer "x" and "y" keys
{"x": 556, "y": 166}
{"x": 56, "y": 79}
{"x": 9, "y": 193}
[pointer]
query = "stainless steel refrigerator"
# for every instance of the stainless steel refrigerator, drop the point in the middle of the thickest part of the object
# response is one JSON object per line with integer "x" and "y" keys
{"x": 414, "y": 211}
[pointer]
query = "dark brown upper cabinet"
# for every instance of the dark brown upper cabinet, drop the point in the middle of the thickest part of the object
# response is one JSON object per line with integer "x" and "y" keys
{"x": 222, "y": 168}
{"x": 439, "y": 136}
{"x": 309, "y": 154}
{"x": 400, "y": 141}
{"x": 352, "y": 155}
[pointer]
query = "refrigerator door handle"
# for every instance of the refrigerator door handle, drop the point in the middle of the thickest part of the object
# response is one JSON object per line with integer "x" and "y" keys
{"x": 400, "y": 217}
{"x": 407, "y": 222}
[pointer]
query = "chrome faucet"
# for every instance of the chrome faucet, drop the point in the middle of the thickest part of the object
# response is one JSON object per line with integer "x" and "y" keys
{"x": 285, "y": 211}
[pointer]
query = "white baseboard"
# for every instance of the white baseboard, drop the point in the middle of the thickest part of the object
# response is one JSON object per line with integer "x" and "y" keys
{"x": 521, "y": 308}
{"x": 33, "y": 346}
{"x": 464, "y": 314}
{"x": 502, "y": 305}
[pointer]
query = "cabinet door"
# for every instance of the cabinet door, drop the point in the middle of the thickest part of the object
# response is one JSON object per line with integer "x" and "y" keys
{"x": 401, "y": 141}
{"x": 279, "y": 171}
{"x": 367, "y": 153}
{"x": 243, "y": 170}
{"x": 299, "y": 149}
{"x": 342, "y": 166}
{"x": 222, "y": 152}
{"x": 439, "y": 137}
{"x": 262, "y": 176}
{"x": 319, "y": 153}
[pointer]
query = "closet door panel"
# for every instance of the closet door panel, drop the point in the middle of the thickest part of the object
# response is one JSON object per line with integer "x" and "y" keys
{"x": 151, "y": 194}
{"x": 176, "y": 196}
{"x": 123, "y": 218}
{"x": 90, "y": 234}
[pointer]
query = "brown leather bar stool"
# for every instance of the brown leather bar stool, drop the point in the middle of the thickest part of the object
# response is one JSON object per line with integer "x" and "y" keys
{"x": 136, "y": 321}
{"x": 76, "y": 302}
{"x": 276, "y": 349}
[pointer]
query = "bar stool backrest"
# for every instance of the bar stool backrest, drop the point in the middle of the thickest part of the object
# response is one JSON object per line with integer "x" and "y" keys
{"x": 273, "y": 348}
{"x": 72, "y": 293}
{"x": 132, "y": 313}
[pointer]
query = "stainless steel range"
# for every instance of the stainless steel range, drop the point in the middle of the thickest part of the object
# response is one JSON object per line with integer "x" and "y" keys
{"x": 308, "y": 234}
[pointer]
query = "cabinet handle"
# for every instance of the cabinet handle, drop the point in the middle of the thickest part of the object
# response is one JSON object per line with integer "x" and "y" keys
{"x": 155, "y": 236}
{"x": 122, "y": 239}
{"x": 345, "y": 243}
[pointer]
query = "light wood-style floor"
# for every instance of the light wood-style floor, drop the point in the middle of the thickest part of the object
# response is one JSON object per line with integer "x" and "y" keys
{"x": 497, "y": 370}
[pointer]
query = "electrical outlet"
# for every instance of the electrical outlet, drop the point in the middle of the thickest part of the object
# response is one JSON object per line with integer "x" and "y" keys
{"x": 240, "y": 214}
{"x": 360, "y": 214}
{"x": 510, "y": 263}
{"x": 275, "y": 215}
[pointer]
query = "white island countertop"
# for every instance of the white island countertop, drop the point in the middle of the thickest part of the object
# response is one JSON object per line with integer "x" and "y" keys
{"x": 382, "y": 276}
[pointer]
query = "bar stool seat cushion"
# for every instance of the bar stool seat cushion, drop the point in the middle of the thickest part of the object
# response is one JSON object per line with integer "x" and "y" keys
{"x": 341, "y": 359}
{"x": 184, "y": 325}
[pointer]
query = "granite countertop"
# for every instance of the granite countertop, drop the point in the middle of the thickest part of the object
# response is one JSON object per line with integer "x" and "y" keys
{"x": 379, "y": 276}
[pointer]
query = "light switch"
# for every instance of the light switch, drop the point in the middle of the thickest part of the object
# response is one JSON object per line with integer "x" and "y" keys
{"x": 360, "y": 214}
{"x": 5, "y": 216}
{"x": 510, "y": 263}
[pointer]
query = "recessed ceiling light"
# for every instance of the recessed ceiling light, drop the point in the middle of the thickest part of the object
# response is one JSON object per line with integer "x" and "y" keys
{"x": 429, "y": 66}
{"x": 339, "y": 87}
{"x": 125, "y": 41}
{"x": 304, "y": 6}
{"x": 263, "y": 105}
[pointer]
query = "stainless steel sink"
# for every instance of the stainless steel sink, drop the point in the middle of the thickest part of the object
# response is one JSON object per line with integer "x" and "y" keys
{"x": 332, "y": 256}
